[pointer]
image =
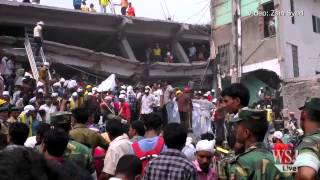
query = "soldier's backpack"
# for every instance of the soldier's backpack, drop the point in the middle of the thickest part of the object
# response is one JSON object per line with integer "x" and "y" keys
{"x": 146, "y": 156}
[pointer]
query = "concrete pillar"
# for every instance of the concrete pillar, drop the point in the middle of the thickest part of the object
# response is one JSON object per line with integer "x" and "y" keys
{"x": 179, "y": 52}
{"x": 126, "y": 49}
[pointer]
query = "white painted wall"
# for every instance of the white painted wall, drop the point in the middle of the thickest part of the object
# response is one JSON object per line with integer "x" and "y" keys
{"x": 300, "y": 34}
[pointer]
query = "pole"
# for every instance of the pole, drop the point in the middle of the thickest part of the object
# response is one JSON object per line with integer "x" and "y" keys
{"x": 216, "y": 84}
{"x": 236, "y": 65}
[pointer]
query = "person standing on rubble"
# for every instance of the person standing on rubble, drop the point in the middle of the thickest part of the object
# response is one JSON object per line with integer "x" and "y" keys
{"x": 38, "y": 37}
{"x": 131, "y": 12}
{"x": 77, "y": 4}
{"x": 103, "y": 5}
{"x": 124, "y": 5}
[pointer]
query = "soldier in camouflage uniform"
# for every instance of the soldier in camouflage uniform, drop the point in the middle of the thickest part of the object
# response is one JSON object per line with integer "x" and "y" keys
{"x": 76, "y": 152}
{"x": 257, "y": 162}
{"x": 308, "y": 159}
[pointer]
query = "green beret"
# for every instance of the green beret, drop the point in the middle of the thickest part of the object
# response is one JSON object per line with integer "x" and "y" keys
{"x": 312, "y": 104}
{"x": 250, "y": 114}
{"x": 60, "y": 117}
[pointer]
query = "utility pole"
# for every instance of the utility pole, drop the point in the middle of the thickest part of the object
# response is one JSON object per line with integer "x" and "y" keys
{"x": 216, "y": 84}
{"x": 236, "y": 61}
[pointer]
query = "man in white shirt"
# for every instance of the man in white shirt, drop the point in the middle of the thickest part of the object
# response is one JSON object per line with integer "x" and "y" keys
{"x": 147, "y": 103}
{"x": 119, "y": 146}
{"x": 38, "y": 37}
{"x": 49, "y": 108}
{"x": 158, "y": 95}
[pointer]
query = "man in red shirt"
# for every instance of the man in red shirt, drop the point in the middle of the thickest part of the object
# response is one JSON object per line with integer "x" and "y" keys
{"x": 130, "y": 11}
{"x": 280, "y": 149}
{"x": 124, "y": 111}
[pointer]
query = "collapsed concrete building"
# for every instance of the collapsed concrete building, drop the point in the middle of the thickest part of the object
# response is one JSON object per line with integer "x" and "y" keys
{"x": 101, "y": 44}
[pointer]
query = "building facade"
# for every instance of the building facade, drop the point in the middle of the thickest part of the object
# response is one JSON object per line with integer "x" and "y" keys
{"x": 280, "y": 41}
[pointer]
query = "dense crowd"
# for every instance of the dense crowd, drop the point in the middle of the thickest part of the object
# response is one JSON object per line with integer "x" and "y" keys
{"x": 71, "y": 129}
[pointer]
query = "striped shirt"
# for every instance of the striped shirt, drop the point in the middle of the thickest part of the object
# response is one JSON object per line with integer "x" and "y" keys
{"x": 170, "y": 165}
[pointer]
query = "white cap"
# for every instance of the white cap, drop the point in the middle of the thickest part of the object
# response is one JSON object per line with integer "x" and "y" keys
{"x": 79, "y": 90}
{"x": 206, "y": 95}
{"x": 123, "y": 86}
{"x": 75, "y": 94}
{"x": 6, "y": 93}
{"x": 40, "y": 23}
{"x": 46, "y": 64}
{"x": 122, "y": 92}
{"x": 57, "y": 84}
{"x": 129, "y": 88}
{"x": 43, "y": 108}
{"x": 212, "y": 90}
{"x": 54, "y": 94}
{"x": 122, "y": 96}
{"x": 268, "y": 106}
{"x": 94, "y": 89}
{"x": 62, "y": 80}
{"x": 39, "y": 84}
{"x": 40, "y": 90}
{"x": 147, "y": 87}
{"x": 205, "y": 145}
{"x": 72, "y": 84}
{"x": 278, "y": 134}
{"x": 26, "y": 74}
{"x": 29, "y": 108}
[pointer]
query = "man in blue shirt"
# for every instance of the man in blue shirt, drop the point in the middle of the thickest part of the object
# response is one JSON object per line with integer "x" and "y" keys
{"x": 153, "y": 144}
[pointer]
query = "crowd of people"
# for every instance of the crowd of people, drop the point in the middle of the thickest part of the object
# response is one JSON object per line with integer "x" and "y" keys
{"x": 71, "y": 129}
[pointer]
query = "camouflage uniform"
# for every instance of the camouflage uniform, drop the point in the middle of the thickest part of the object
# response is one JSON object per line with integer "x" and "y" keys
{"x": 310, "y": 143}
{"x": 76, "y": 152}
{"x": 256, "y": 162}
{"x": 79, "y": 154}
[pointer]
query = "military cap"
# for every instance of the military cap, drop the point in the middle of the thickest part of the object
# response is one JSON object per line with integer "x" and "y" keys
{"x": 250, "y": 114}
{"x": 62, "y": 117}
{"x": 312, "y": 104}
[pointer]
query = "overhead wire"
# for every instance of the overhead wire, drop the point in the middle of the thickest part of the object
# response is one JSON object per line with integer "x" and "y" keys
{"x": 203, "y": 15}
{"x": 163, "y": 11}
{"x": 201, "y": 10}
{"x": 166, "y": 6}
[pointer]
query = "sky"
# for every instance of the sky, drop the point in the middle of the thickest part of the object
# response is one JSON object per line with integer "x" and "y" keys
{"x": 185, "y": 11}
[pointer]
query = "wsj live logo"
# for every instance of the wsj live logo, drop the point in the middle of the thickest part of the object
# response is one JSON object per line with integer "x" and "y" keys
{"x": 284, "y": 160}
